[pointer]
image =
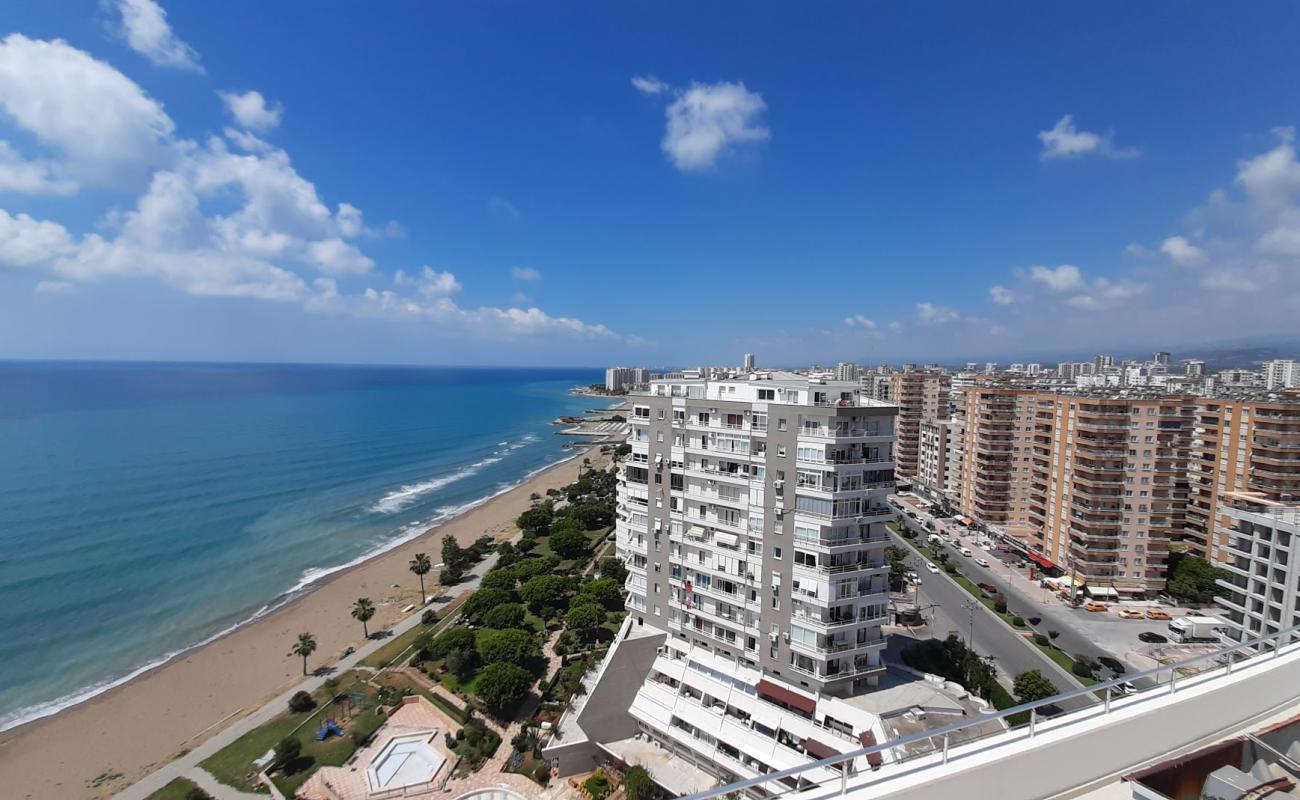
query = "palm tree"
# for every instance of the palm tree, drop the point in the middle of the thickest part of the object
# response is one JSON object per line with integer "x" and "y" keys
{"x": 363, "y": 610}
{"x": 305, "y": 646}
{"x": 421, "y": 565}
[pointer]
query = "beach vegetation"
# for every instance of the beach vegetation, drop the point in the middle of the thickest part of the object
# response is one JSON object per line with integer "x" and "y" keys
{"x": 363, "y": 611}
{"x": 612, "y": 567}
{"x": 429, "y": 617}
{"x": 536, "y": 520}
{"x": 303, "y": 648}
{"x": 502, "y": 687}
{"x": 450, "y": 576}
{"x": 508, "y": 646}
{"x": 421, "y": 565}
{"x": 570, "y": 543}
{"x": 484, "y": 600}
{"x": 527, "y": 543}
{"x": 454, "y": 556}
{"x": 506, "y": 615}
{"x": 301, "y": 702}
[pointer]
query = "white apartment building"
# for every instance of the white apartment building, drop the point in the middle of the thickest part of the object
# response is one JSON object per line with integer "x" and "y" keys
{"x": 934, "y": 458}
{"x": 623, "y": 379}
{"x": 751, "y": 518}
{"x": 845, "y": 371}
{"x": 1263, "y": 590}
{"x": 1281, "y": 374}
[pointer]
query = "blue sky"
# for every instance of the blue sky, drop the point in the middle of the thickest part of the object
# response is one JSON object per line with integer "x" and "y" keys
{"x": 487, "y": 183}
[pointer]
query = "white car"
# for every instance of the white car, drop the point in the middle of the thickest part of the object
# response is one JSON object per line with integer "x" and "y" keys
{"x": 981, "y": 562}
{"x": 966, "y": 552}
{"x": 931, "y": 567}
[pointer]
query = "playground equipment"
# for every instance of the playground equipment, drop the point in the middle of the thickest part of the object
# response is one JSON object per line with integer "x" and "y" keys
{"x": 330, "y": 728}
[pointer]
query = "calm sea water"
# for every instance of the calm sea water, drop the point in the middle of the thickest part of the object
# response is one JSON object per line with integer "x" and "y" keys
{"x": 145, "y": 508}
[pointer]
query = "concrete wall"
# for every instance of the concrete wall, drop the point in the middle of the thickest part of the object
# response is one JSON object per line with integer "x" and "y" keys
{"x": 1087, "y": 748}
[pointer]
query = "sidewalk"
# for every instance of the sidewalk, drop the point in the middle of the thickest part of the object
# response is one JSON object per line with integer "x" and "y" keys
{"x": 256, "y": 717}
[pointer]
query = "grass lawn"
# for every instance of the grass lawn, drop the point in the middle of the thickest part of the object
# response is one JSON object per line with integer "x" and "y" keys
{"x": 233, "y": 764}
{"x": 176, "y": 790}
{"x": 390, "y": 651}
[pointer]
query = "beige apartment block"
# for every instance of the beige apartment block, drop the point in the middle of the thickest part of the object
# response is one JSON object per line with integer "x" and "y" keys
{"x": 920, "y": 395}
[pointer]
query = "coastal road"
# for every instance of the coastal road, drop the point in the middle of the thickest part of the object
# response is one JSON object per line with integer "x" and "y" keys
{"x": 1011, "y": 652}
{"x": 184, "y": 766}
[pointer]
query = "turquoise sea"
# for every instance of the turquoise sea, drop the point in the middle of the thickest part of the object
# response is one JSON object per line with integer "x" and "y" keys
{"x": 147, "y": 508}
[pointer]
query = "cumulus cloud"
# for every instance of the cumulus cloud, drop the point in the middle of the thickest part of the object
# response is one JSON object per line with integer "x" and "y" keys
{"x": 649, "y": 84}
{"x": 503, "y": 207}
{"x": 1181, "y": 251}
{"x": 225, "y": 216}
{"x": 53, "y": 287}
{"x": 931, "y": 314}
{"x": 1065, "y": 140}
{"x": 1064, "y": 278}
{"x": 859, "y": 321}
{"x": 708, "y": 121}
{"x": 525, "y": 274}
{"x": 251, "y": 110}
{"x": 145, "y": 29}
{"x": 1002, "y": 295}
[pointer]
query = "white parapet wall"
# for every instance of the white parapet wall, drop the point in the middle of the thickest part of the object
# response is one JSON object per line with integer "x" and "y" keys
{"x": 1087, "y": 748}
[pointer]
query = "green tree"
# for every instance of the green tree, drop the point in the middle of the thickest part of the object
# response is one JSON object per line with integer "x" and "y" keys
{"x": 1192, "y": 578}
{"x": 511, "y": 646}
{"x": 502, "y": 686}
{"x": 506, "y": 615}
{"x": 638, "y": 785}
{"x": 421, "y": 565}
{"x": 1032, "y": 685}
{"x": 287, "y": 751}
{"x": 363, "y": 611}
{"x": 594, "y": 515}
{"x": 484, "y": 600}
{"x": 451, "y": 639}
{"x": 570, "y": 543}
{"x": 499, "y": 579}
{"x": 304, "y": 647}
{"x": 536, "y": 520}
{"x": 611, "y": 567}
{"x": 453, "y": 555}
{"x": 547, "y": 591}
{"x": 585, "y": 618}
{"x": 897, "y": 558}
{"x": 532, "y": 567}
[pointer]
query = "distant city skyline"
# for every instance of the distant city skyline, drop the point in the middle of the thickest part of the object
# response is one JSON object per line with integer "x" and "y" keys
{"x": 416, "y": 185}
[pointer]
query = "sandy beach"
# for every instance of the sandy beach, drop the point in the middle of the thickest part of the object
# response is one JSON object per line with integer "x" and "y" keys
{"x": 95, "y": 749}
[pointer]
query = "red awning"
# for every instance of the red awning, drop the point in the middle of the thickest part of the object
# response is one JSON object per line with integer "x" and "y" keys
{"x": 790, "y": 698}
{"x": 1040, "y": 560}
{"x": 818, "y": 749}
{"x": 868, "y": 739}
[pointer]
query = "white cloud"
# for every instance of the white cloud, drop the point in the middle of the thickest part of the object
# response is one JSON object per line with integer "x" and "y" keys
{"x": 145, "y": 28}
{"x": 53, "y": 287}
{"x": 251, "y": 110}
{"x": 229, "y": 216}
{"x": 1272, "y": 178}
{"x": 525, "y": 274}
{"x": 1105, "y": 293}
{"x": 1065, "y": 140}
{"x": 429, "y": 282}
{"x": 1002, "y": 295}
{"x": 1181, "y": 251}
{"x": 99, "y": 125}
{"x": 859, "y": 321}
{"x": 500, "y": 205}
{"x": 649, "y": 84}
{"x": 708, "y": 121}
{"x": 1136, "y": 250}
{"x": 1064, "y": 278}
{"x": 521, "y": 299}
{"x": 931, "y": 314}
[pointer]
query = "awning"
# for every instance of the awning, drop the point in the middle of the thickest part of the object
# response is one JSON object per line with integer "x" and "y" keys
{"x": 966, "y": 520}
{"x": 724, "y": 538}
{"x": 1102, "y": 591}
{"x": 697, "y": 531}
{"x": 1040, "y": 560}
{"x": 789, "y": 697}
{"x": 818, "y": 749}
{"x": 868, "y": 739}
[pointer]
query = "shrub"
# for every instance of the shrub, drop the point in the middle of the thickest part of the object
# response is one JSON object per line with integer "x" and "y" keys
{"x": 503, "y": 686}
{"x": 1035, "y": 620}
{"x": 301, "y": 701}
{"x": 1041, "y": 640}
{"x": 638, "y": 784}
{"x": 1018, "y": 622}
{"x": 1081, "y": 669}
{"x": 450, "y": 576}
{"x": 429, "y": 617}
{"x": 527, "y": 544}
{"x": 1000, "y": 604}
{"x": 1032, "y": 685}
{"x": 542, "y": 772}
{"x": 287, "y": 751}
{"x": 597, "y": 785}
{"x": 195, "y": 793}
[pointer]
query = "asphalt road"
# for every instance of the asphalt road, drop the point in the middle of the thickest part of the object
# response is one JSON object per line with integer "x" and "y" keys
{"x": 1011, "y": 652}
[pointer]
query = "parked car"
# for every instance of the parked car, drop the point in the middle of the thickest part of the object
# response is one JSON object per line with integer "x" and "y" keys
{"x": 981, "y": 562}
{"x": 1156, "y": 614}
{"x": 1152, "y": 637}
{"x": 1126, "y": 687}
{"x": 1130, "y": 613}
{"x": 988, "y": 587}
{"x": 931, "y": 567}
{"x": 1111, "y": 664}
{"x": 1095, "y": 607}
{"x": 966, "y": 552}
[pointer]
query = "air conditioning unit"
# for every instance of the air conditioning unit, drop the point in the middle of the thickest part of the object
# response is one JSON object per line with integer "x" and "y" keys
{"x": 786, "y": 637}
{"x": 778, "y": 484}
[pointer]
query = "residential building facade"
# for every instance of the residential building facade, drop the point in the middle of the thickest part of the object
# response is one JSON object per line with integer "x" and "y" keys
{"x": 1262, "y": 593}
{"x": 920, "y": 395}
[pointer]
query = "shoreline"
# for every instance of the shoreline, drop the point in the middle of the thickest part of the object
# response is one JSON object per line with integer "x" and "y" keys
{"x": 190, "y": 695}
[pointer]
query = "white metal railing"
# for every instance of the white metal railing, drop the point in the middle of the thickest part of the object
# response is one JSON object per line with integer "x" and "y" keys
{"x": 1230, "y": 657}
